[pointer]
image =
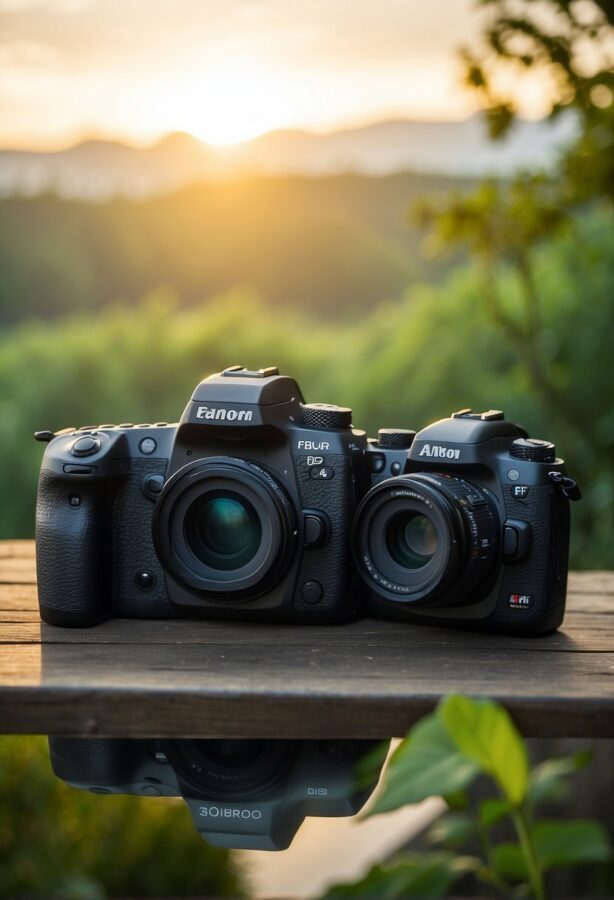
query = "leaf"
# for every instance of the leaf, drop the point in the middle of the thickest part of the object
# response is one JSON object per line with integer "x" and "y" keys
{"x": 492, "y": 811}
{"x": 570, "y": 843}
{"x": 368, "y": 768}
{"x": 547, "y": 782}
{"x": 509, "y": 863}
{"x": 409, "y": 875}
{"x": 452, "y": 830}
{"x": 425, "y": 764}
{"x": 457, "y": 800}
{"x": 483, "y": 731}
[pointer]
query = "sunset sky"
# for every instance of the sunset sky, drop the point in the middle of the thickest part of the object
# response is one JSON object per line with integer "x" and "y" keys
{"x": 227, "y": 71}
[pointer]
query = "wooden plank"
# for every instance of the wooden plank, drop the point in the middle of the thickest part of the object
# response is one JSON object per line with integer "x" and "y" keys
{"x": 363, "y": 679}
{"x": 10, "y": 549}
{"x": 581, "y": 632}
{"x": 17, "y": 570}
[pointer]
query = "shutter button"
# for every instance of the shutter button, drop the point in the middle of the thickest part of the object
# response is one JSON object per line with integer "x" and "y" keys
{"x": 85, "y": 446}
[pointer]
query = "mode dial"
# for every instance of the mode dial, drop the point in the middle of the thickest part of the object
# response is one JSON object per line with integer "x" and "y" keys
{"x": 395, "y": 438}
{"x": 325, "y": 415}
{"x": 533, "y": 449}
{"x": 85, "y": 446}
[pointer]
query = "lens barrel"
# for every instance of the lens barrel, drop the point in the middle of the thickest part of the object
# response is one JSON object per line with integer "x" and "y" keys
{"x": 224, "y": 527}
{"x": 425, "y": 538}
{"x": 225, "y": 769}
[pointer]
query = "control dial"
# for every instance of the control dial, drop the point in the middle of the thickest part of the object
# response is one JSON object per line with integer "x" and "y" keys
{"x": 533, "y": 449}
{"x": 85, "y": 446}
{"x": 395, "y": 438}
{"x": 325, "y": 415}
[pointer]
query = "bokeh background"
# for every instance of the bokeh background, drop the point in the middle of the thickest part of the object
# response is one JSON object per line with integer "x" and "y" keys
{"x": 407, "y": 206}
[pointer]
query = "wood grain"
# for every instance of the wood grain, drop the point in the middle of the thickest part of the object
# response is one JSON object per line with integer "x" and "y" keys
{"x": 365, "y": 679}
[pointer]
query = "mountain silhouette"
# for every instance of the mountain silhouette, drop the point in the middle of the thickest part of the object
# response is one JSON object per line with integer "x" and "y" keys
{"x": 100, "y": 168}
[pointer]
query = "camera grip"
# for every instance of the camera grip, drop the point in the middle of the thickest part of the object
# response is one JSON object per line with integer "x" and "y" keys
{"x": 71, "y": 549}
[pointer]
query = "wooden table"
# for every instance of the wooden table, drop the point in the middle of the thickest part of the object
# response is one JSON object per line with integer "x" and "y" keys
{"x": 366, "y": 679}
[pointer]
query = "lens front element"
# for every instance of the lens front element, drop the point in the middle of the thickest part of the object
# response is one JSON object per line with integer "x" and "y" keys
{"x": 223, "y": 531}
{"x": 425, "y": 537}
{"x": 225, "y": 527}
{"x": 411, "y": 539}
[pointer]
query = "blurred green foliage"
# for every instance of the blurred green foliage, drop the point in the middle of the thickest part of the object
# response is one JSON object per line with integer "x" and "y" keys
{"x": 406, "y": 363}
{"x": 57, "y": 841}
{"x": 442, "y": 756}
{"x": 328, "y": 245}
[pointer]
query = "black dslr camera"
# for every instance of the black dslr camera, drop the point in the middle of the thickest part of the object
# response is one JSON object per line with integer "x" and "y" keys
{"x": 243, "y": 509}
{"x": 244, "y": 794}
{"x": 471, "y": 530}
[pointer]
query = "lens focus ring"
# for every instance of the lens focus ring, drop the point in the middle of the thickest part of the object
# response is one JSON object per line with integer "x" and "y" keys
{"x": 425, "y": 537}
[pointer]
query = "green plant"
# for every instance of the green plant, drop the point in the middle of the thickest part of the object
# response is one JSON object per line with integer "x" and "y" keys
{"x": 442, "y": 756}
{"x": 59, "y": 842}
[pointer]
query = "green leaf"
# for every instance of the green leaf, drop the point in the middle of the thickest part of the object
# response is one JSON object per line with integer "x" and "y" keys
{"x": 492, "y": 811}
{"x": 425, "y": 764}
{"x": 570, "y": 843}
{"x": 408, "y": 875}
{"x": 457, "y": 800}
{"x": 508, "y": 861}
{"x": 483, "y": 731}
{"x": 547, "y": 781}
{"x": 452, "y": 830}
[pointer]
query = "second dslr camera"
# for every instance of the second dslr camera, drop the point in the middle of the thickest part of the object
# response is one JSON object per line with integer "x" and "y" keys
{"x": 472, "y": 530}
{"x": 243, "y": 509}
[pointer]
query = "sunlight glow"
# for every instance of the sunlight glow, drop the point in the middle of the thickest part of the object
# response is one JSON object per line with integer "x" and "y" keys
{"x": 231, "y": 101}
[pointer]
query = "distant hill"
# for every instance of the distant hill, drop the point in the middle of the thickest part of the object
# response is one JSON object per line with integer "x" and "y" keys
{"x": 331, "y": 245}
{"x": 100, "y": 169}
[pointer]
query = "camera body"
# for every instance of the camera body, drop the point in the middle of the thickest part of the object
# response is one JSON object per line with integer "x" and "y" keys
{"x": 466, "y": 523}
{"x": 243, "y": 794}
{"x": 242, "y": 510}
{"x": 94, "y": 551}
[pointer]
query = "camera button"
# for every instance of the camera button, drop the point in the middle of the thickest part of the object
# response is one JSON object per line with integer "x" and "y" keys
{"x": 510, "y": 542}
{"x": 144, "y": 580}
{"x": 76, "y": 469}
{"x": 520, "y": 491}
{"x": 148, "y": 446}
{"x": 152, "y": 485}
{"x": 150, "y": 790}
{"x": 322, "y": 473}
{"x": 311, "y": 592}
{"x": 314, "y": 529}
{"x": 377, "y": 462}
{"x": 85, "y": 446}
{"x": 517, "y": 540}
{"x": 396, "y": 468}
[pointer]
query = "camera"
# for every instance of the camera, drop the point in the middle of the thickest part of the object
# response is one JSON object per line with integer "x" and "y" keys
{"x": 242, "y": 509}
{"x": 243, "y": 794}
{"x": 466, "y": 523}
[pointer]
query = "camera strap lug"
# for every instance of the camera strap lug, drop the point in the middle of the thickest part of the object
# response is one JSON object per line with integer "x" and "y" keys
{"x": 568, "y": 486}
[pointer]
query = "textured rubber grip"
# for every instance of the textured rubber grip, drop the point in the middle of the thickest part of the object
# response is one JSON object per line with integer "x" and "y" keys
{"x": 94, "y": 761}
{"x": 72, "y": 551}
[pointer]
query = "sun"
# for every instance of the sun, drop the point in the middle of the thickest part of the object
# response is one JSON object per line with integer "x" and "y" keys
{"x": 230, "y": 102}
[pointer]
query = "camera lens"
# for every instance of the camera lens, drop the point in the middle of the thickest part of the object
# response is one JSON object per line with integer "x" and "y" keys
{"x": 224, "y": 527}
{"x": 229, "y": 768}
{"x": 425, "y": 537}
{"x": 411, "y": 539}
{"x": 223, "y": 531}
